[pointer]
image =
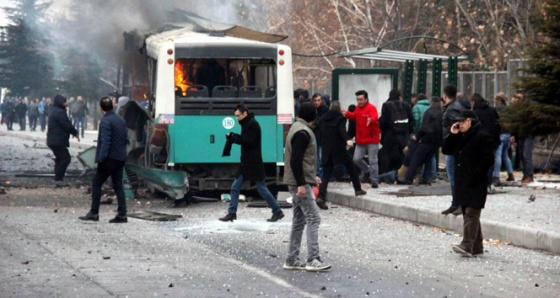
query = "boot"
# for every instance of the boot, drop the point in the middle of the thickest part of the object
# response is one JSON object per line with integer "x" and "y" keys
{"x": 510, "y": 177}
{"x": 496, "y": 181}
{"x": 449, "y": 210}
{"x": 322, "y": 204}
{"x": 229, "y": 217}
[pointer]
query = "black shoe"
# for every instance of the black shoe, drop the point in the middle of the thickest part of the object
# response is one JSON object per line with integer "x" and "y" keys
{"x": 360, "y": 192}
{"x": 374, "y": 185}
{"x": 90, "y": 216}
{"x": 322, "y": 204}
{"x": 276, "y": 217}
{"x": 449, "y": 210}
{"x": 229, "y": 217}
{"x": 119, "y": 219}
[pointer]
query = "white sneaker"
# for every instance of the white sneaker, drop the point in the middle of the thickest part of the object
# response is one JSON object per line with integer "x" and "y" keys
{"x": 297, "y": 265}
{"x": 317, "y": 265}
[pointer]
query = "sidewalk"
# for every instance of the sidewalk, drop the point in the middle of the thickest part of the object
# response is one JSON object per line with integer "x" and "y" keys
{"x": 509, "y": 216}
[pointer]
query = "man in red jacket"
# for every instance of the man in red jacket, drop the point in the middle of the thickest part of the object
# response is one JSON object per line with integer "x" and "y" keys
{"x": 367, "y": 136}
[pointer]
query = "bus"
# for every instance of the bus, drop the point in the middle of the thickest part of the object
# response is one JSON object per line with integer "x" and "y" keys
{"x": 192, "y": 81}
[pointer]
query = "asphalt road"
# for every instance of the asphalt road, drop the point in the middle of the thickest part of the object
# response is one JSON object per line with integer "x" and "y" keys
{"x": 45, "y": 251}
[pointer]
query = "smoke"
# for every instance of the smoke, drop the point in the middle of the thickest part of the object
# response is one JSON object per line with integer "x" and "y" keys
{"x": 96, "y": 27}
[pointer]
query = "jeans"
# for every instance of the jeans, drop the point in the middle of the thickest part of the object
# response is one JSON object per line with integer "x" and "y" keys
{"x": 305, "y": 212}
{"x": 114, "y": 169}
{"x": 61, "y": 162}
{"x": 261, "y": 188}
{"x": 319, "y": 172}
{"x": 373, "y": 167}
{"x": 21, "y": 121}
{"x": 32, "y": 122}
{"x": 80, "y": 122}
{"x": 422, "y": 156}
{"x": 43, "y": 121}
{"x": 502, "y": 156}
{"x": 450, "y": 166}
{"x": 528, "y": 168}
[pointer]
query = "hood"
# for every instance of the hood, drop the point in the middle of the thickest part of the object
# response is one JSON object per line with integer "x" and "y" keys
{"x": 424, "y": 102}
{"x": 332, "y": 115}
{"x": 483, "y": 104}
{"x": 59, "y": 101}
{"x": 465, "y": 103}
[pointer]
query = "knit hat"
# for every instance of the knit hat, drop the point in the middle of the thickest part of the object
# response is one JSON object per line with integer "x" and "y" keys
{"x": 501, "y": 96}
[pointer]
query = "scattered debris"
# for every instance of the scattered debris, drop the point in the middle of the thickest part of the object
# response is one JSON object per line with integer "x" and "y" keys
{"x": 55, "y": 210}
{"x": 171, "y": 285}
{"x": 154, "y": 216}
{"x": 106, "y": 258}
{"x": 531, "y": 199}
{"x": 26, "y": 262}
{"x": 2, "y": 191}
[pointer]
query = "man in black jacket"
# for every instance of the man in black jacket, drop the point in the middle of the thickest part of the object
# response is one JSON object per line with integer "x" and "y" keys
{"x": 429, "y": 137}
{"x": 59, "y": 130}
{"x": 472, "y": 149}
{"x": 110, "y": 157}
{"x": 452, "y": 107}
{"x": 396, "y": 123}
{"x": 252, "y": 167}
{"x": 332, "y": 129}
{"x": 21, "y": 110}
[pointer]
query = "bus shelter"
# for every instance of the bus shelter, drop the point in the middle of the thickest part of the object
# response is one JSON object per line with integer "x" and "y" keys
{"x": 409, "y": 58}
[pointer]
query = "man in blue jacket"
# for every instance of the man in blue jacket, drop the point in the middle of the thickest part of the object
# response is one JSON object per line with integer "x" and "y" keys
{"x": 60, "y": 129}
{"x": 110, "y": 157}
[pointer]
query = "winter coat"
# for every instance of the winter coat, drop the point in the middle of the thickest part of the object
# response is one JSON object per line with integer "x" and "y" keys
{"x": 388, "y": 135}
{"x": 333, "y": 132}
{"x": 79, "y": 109}
{"x": 252, "y": 166}
{"x": 417, "y": 113}
{"x": 34, "y": 109}
{"x": 366, "y": 134}
{"x": 321, "y": 111}
{"x": 59, "y": 126}
{"x": 21, "y": 110}
{"x": 488, "y": 118}
{"x": 451, "y": 113}
{"x": 473, "y": 158}
{"x": 431, "y": 131}
{"x": 112, "y": 138}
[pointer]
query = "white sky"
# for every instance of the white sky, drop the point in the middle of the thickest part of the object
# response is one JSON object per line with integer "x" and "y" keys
{"x": 56, "y": 6}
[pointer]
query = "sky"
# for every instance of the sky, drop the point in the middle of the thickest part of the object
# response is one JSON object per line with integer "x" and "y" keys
{"x": 57, "y": 5}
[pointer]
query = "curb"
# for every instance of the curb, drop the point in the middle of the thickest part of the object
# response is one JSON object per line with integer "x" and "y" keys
{"x": 517, "y": 235}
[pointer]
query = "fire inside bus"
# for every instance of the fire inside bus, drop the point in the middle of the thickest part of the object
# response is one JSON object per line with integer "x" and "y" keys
{"x": 194, "y": 82}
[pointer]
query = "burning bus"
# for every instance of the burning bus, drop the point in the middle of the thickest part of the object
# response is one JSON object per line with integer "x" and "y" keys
{"x": 192, "y": 79}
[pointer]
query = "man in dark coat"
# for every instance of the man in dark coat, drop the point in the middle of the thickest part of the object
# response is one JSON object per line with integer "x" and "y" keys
{"x": 59, "y": 130}
{"x": 322, "y": 109}
{"x": 110, "y": 157}
{"x": 252, "y": 167}
{"x": 474, "y": 156}
{"x": 21, "y": 110}
{"x": 332, "y": 129}
{"x": 429, "y": 138}
{"x": 488, "y": 118}
{"x": 452, "y": 107}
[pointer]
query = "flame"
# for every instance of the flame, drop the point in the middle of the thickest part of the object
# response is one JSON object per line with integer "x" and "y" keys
{"x": 181, "y": 76}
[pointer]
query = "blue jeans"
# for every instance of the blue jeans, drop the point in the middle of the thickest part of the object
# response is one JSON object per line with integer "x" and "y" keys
{"x": 319, "y": 167}
{"x": 450, "y": 166}
{"x": 502, "y": 156}
{"x": 43, "y": 121}
{"x": 261, "y": 188}
{"x": 422, "y": 156}
{"x": 306, "y": 212}
{"x": 373, "y": 167}
{"x": 80, "y": 122}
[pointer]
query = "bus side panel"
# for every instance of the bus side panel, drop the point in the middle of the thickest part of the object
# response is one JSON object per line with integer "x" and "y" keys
{"x": 201, "y": 139}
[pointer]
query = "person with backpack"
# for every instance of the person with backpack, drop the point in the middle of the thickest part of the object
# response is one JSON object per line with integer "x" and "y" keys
{"x": 396, "y": 123}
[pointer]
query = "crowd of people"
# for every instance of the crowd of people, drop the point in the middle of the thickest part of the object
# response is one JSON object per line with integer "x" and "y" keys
{"x": 35, "y": 112}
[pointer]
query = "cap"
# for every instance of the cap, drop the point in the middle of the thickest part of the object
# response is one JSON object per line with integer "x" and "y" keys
{"x": 466, "y": 114}
{"x": 501, "y": 96}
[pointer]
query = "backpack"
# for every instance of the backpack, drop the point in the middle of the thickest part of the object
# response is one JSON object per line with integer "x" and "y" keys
{"x": 399, "y": 117}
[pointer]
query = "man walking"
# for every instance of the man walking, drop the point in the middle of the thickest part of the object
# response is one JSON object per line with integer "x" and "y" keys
{"x": 252, "y": 167}
{"x": 21, "y": 111}
{"x": 110, "y": 157}
{"x": 396, "y": 124}
{"x": 300, "y": 163}
{"x": 60, "y": 129}
{"x": 474, "y": 156}
{"x": 79, "y": 114}
{"x": 332, "y": 129}
{"x": 367, "y": 136}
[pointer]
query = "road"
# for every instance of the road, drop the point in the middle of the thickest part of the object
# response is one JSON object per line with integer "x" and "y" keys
{"x": 45, "y": 251}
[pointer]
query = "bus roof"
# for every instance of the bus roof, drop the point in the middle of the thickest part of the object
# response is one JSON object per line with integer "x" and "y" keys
{"x": 184, "y": 37}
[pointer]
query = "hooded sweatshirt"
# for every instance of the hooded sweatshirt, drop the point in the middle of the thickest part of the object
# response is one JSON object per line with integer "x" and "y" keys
{"x": 59, "y": 126}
